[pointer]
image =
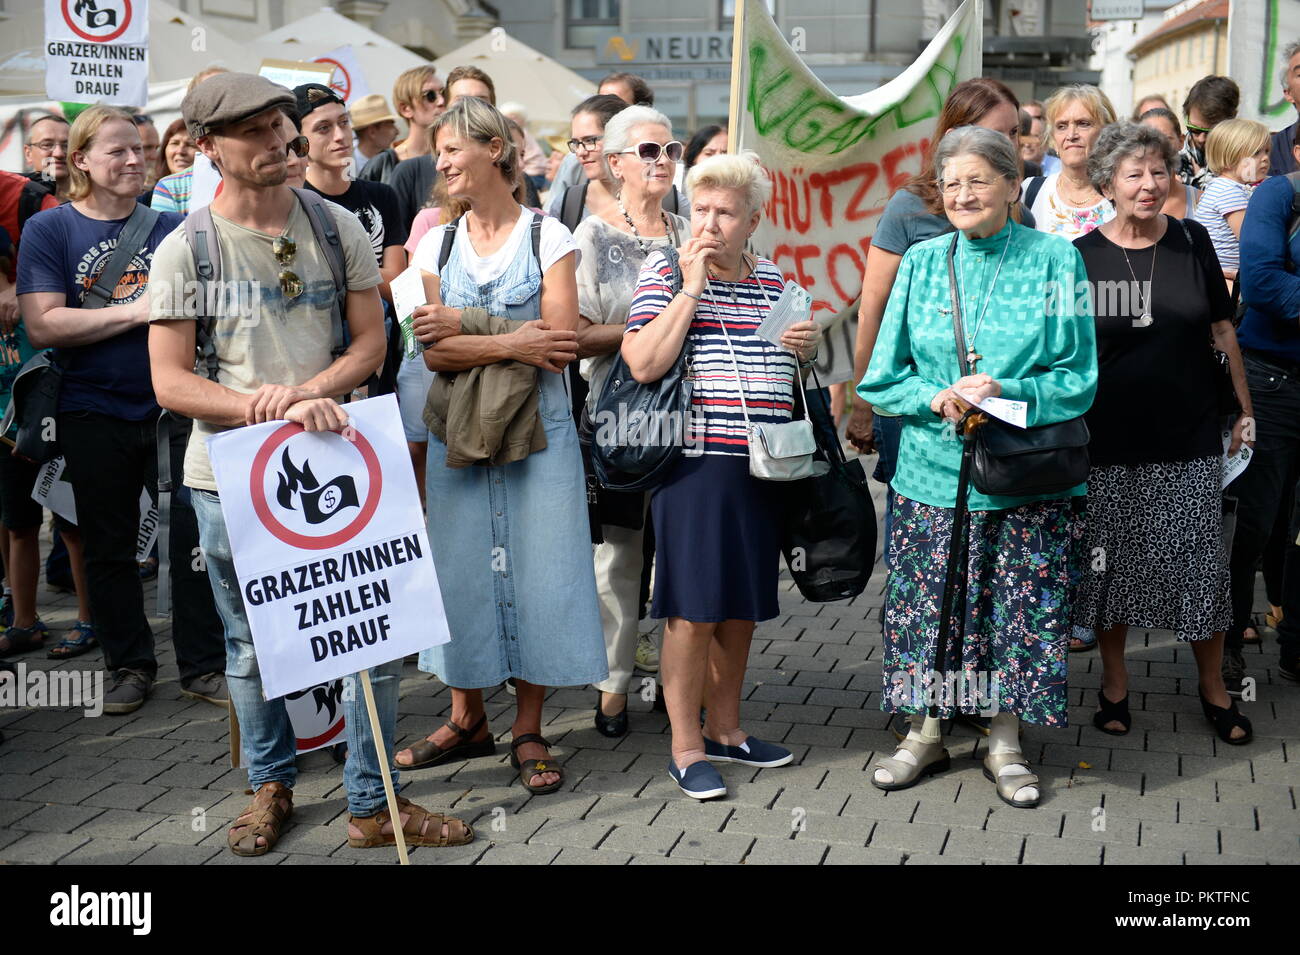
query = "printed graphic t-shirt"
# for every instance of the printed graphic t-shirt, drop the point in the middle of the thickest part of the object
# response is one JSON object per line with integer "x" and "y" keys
{"x": 277, "y": 340}
{"x": 65, "y": 251}
{"x": 375, "y": 205}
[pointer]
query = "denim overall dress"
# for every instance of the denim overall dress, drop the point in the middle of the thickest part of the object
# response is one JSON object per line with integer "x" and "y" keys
{"x": 512, "y": 544}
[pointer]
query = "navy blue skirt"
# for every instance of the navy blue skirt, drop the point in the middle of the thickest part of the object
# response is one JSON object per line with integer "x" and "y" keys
{"x": 717, "y": 541}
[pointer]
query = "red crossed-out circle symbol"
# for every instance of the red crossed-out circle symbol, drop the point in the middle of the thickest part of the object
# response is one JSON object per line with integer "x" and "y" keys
{"x": 95, "y": 37}
{"x": 341, "y": 81}
{"x": 257, "y": 488}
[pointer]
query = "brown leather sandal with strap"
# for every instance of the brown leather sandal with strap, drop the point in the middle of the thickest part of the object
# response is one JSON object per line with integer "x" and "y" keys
{"x": 535, "y": 767}
{"x": 427, "y": 753}
{"x": 270, "y": 809}
{"x": 422, "y": 828}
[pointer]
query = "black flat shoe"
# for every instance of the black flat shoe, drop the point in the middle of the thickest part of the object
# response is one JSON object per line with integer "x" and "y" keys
{"x": 1112, "y": 712}
{"x": 1224, "y": 719}
{"x": 611, "y": 726}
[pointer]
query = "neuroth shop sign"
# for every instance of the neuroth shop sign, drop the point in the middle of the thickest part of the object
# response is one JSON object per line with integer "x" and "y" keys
{"x": 664, "y": 49}
{"x": 329, "y": 544}
{"x": 97, "y": 51}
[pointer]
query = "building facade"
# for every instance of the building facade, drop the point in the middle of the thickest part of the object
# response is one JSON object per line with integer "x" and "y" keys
{"x": 1189, "y": 43}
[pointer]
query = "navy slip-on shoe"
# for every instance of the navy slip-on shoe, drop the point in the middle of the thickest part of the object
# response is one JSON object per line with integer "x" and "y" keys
{"x": 752, "y": 752}
{"x": 699, "y": 781}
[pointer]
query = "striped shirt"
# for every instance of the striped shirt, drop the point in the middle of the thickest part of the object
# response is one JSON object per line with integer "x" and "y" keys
{"x": 1222, "y": 197}
{"x": 717, "y": 423}
{"x": 172, "y": 193}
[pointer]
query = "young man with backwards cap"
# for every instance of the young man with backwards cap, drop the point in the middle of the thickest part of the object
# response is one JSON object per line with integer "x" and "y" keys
{"x": 276, "y": 367}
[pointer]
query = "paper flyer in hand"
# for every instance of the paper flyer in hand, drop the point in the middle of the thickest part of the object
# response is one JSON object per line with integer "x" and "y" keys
{"x": 408, "y": 295}
{"x": 1234, "y": 464}
{"x": 1004, "y": 409}
{"x": 792, "y": 307}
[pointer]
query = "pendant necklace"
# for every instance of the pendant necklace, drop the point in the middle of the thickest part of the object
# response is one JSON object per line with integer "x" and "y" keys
{"x": 644, "y": 244}
{"x": 971, "y": 356}
{"x": 1146, "y": 318}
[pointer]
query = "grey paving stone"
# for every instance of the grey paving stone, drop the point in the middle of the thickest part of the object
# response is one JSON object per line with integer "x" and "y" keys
{"x": 571, "y": 832}
{"x": 1179, "y": 787}
{"x": 613, "y": 783}
{"x": 1043, "y": 821}
{"x": 838, "y": 830}
{"x": 1255, "y": 794}
{"x": 1179, "y": 837}
{"x": 1225, "y": 815}
{"x": 26, "y": 762}
{"x": 852, "y": 855}
{"x": 65, "y": 791}
{"x": 1085, "y": 826}
{"x": 780, "y": 694}
{"x": 908, "y": 837}
{"x": 706, "y": 816}
{"x": 143, "y": 748}
{"x": 966, "y": 815}
{"x": 712, "y": 846}
{"x": 36, "y": 741}
{"x": 976, "y": 844}
{"x": 42, "y": 848}
{"x": 875, "y": 804}
{"x": 626, "y": 811}
{"x": 818, "y": 801}
{"x": 785, "y": 852}
{"x": 130, "y": 770}
{"x": 176, "y": 801}
{"x": 664, "y": 860}
{"x": 1271, "y": 846}
{"x": 125, "y": 796}
{"x": 101, "y": 851}
{"x": 640, "y": 840}
{"x": 571, "y": 856}
{"x": 1044, "y": 850}
{"x": 15, "y": 786}
{"x": 50, "y": 818}
{"x": 119, "y": 824}
{"x": 1151, "y": 807}
{"x": 515, "y": 854}
{"x": 1278, "y": 819}
{"x": 769, "y": 824}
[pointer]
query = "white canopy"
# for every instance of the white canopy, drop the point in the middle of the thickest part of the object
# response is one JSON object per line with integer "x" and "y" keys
{"x": 547, "y": 89}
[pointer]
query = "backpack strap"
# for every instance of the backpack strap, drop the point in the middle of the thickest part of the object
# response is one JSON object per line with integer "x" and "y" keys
{"x": 135, "y": 233}
{"x": 670, "y": 202}
{"x": 575, "y": 198}
{"x": 201, "y": 234}
{"x": 1031, "y": 190}
{"x": 1294, "y": 226}
{"x": 29, "y": 203}
{"x": 163, "y": 436}
{"x": 327, "y": 237}
{"x": 448, "y": 237}
{"x": 535, "y": 232}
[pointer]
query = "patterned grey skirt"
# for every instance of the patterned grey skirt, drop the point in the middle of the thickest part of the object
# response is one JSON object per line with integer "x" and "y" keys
{"x": 1155, "y": 556}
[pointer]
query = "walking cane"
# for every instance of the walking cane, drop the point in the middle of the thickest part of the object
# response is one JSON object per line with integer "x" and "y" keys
{"x": 955, "y": 576}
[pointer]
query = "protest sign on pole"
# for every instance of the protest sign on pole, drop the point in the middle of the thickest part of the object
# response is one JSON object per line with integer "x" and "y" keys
{"x": 329, "y": 546}
{"x": 834, "y": 162}
{"x": 97, "y": 51}
{"x": 1258, "y": 32}
{"x": 53, "y": 490}
{"x": 348, "y": 80}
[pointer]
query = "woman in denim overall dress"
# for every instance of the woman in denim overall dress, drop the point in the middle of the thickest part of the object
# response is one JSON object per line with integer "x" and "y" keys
{"x": 510, "y": 542}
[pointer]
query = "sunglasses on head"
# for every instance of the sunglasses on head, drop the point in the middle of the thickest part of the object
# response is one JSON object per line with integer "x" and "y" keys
{"x": 299, "y": 146}
{"x": 1197, "y": 129}
{"x": 284, "y": 249}
{"x": 650, "y": 152}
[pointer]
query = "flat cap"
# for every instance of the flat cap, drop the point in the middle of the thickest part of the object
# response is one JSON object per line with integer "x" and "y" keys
{"x": 229, "y": 98}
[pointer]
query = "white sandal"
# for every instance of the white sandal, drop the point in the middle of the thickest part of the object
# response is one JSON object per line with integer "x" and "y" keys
{"x": 1008, "y": 786}
{"x": 931, "y": 758}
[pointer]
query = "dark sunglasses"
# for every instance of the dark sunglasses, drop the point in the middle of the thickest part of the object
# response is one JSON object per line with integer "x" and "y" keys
{"x": 431, "y": 96}
{"x": 284, "y": 249}
{"x": 650, "y": 152}
{"x": 299, "y": 146}
{"x": 1197, "y": 129}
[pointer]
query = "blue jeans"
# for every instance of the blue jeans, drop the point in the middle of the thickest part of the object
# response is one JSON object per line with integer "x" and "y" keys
{"x": 265, "y": 730}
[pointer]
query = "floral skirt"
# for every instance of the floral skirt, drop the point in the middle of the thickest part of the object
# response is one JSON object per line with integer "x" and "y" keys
{"x": 1008, "y": 645}
{"x": 1155, "y": 550}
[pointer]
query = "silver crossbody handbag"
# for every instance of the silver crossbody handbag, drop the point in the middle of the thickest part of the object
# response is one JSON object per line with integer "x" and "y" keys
{"x": 777, "y": 452}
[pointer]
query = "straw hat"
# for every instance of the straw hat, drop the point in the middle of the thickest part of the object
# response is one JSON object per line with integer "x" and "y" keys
{"x": 370, "y": 110}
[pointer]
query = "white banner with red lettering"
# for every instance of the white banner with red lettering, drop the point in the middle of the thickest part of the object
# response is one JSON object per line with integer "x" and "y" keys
{"x": 835, "y": 161}
{"x": 97, "y": 51}
{"x": 329, "y": 544}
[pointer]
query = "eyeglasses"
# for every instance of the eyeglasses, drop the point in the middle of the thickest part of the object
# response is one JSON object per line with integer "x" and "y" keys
{"x": 284, "y": 249}
{"x": 49, "y": 145}
{"x": 650, "y": 151}
{"x": 953, "y": 187}
{"x": 1197, "y": 129}
{"x": 585, "y": 143}
{"x": 299, "y": 146}
{"x": 432, "y": 96}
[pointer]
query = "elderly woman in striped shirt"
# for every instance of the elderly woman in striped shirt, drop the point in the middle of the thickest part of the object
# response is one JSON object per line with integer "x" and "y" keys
{"x": 715, "y": 526}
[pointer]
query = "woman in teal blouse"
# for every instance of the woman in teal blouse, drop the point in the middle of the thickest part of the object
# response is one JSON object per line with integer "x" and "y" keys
{"x": 1030, "y": 333}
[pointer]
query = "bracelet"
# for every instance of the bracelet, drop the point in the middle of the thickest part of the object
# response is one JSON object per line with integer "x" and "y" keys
{"x": 689, "y": 295}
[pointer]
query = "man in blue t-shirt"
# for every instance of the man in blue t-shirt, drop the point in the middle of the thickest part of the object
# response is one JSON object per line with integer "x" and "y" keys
{"x": 108, "y": 419}
{"x": 1269, "y": 335}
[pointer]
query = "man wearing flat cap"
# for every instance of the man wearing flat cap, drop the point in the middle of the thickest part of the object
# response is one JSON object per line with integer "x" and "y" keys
{"x": 277, "y": 366}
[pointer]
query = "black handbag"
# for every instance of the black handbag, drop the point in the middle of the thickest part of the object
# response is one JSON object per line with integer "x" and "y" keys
{"x": 638, "y": 430}
{"x": 34, "y": 407}
{"x": 828, "y": 533}
{"x": 1020, "y": 462}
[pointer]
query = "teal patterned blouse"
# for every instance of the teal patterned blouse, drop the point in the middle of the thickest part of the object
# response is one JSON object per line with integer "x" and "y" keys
{"x": 1037, "y": 339}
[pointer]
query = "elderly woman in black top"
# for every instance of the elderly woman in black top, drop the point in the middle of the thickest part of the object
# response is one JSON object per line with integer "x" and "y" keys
{"x": 1156, "y": 558}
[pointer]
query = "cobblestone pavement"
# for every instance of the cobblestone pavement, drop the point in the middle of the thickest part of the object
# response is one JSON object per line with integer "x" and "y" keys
{"x": 157, "y": 787}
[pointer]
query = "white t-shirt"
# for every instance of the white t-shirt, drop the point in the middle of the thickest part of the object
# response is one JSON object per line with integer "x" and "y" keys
{"x": 556, "y": 243}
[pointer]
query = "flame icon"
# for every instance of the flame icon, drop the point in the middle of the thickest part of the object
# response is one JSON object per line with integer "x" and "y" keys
{"x": 328, "y": 696}
{"x": 319, "y": 502}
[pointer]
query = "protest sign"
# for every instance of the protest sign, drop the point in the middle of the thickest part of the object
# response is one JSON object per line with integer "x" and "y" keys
{"x": 317, "y": 716}
{"x": 53, "y": 491}
{"x": 97, "y": 51}
{"x": 1258, "y": 32}
{"x": 835, "y": 162}
{"x": 291, "y": 73}
{"x": 329, "y": 546}
{"x": 347, "y": 79}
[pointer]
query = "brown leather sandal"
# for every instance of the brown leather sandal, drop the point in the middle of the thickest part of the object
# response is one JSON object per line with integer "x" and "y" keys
{"x": 427, "y": 753}
{"x": 535, "y": 767}
{"x": 270, "y": 809}
{"x": 422, "y": 828}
